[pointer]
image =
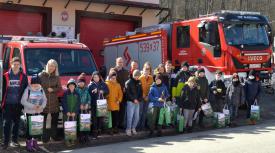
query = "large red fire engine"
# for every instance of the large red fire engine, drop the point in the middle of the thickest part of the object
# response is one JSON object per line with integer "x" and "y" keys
{"x": 231, "y": 41}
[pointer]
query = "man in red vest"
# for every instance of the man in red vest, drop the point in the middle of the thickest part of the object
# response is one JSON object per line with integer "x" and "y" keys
{"x": 14, "y": 84}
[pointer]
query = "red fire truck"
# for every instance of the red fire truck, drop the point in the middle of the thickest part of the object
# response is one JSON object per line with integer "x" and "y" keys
{"x": 231, "y": 41}
{"x": 72, "y": 57}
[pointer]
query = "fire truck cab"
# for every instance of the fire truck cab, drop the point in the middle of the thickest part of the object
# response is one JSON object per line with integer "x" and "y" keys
{"x": 232, "y": 41}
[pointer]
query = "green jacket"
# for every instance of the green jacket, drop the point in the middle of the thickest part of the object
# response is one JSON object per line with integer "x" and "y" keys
{"x": 71, "y": 102}
{"x": 85, "y": 97}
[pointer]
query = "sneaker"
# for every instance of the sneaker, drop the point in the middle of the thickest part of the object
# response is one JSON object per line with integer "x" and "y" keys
{"x": 15, "y": 144}
{"x": 134, "y": 131}
{"x": 128, "y": 133}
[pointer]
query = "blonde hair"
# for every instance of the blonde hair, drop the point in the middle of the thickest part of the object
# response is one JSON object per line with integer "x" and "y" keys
{"x": 191, "y": 80}
{"x": 53, "y": 62}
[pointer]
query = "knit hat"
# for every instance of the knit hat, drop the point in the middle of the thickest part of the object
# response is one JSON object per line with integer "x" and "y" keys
{"x": 136, "y": 73}
{"x": 201, "y": 70}
{"x": 184, "y": 64}
{"x": 35, "y": 80}
{"x": 158, "y": 76}
{"x": 81, "y": 78}
{"x": 219, "y": 72}
{"x": 71, "y": 81}
{"x": 252, "y": 72}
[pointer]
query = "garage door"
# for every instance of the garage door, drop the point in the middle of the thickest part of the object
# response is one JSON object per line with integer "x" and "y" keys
{"x": 93, "y": 31}
{"x": 20, "y": 23}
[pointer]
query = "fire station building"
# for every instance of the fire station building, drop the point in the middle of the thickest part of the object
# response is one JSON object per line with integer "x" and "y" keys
{"x": 90, "y": 21}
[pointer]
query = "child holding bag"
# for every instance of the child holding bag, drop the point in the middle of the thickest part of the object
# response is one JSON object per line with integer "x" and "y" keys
{"x": 85, "y": 103}
{"x": 189, "y": 100}
{"x": 34, "y": 101}
{"x": 70, "y": 105}
{"x": 97, "y": 89}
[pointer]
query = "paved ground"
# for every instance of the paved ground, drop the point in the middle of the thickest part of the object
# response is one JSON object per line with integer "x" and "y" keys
{"x": 246, "y": 139}
{"x": 267, "y": 114}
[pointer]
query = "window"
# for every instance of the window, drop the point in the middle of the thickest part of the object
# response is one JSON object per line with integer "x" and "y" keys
{"x": 209, "y": 35}
{"x": 71, "y": 62}
{"x": 183, "y": 37}
{"x": 7, "y": 58}
{"x": 16, "y": 53}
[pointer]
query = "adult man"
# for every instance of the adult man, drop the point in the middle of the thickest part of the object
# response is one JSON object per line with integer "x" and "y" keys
{"x": 14, "y": 84}
{"x": 122, "y": 77}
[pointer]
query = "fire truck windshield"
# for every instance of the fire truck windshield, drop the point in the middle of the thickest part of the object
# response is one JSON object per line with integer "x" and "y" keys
{"x": 246, "y": 34}
{"x": 71, "y": 62}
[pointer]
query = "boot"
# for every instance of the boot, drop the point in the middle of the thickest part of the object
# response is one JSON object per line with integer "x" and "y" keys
{"x": 35, "y": 144}
{"x": 29, "y": 146}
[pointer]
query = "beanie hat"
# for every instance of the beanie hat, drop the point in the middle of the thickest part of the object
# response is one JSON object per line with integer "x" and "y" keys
{"x": 82, "y": 78}
{"x": 71, "y": 81}
{"x": 35, "y": 80}
{"x": 201, "y": 70}
{"x": 184, "y": 64}
{"x": 136, "y": 73}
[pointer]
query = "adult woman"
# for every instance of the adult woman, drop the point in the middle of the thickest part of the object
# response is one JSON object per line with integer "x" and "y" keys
{"x": 51, "y": 84}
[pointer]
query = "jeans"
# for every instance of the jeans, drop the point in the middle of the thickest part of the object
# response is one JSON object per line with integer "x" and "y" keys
{"x": 47, "y": 133}
{"x": 188, "y": 115}
{"x": 11, "y": 119}
{"x": 233, "y": 109}
{"x": 143, "y": 108}
{"x": 132, "y": 115}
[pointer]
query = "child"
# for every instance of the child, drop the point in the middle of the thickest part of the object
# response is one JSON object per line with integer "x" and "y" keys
{"x": 34, "y": 101}
{"x": 203, "y": 87}
{"x": 146, "y": 80}
{"x": 252, "y": 89}
{"x": 97, "y": 89}
{"x": 190, "y": 98}
{"x": 235, "y": 96}
{"x": 157, "y": 95}
{"x": 71, "y": 105}
{"x": 114, "y": 99}
{"x": 85, "y": 102}
{"x": 217, "y": 94}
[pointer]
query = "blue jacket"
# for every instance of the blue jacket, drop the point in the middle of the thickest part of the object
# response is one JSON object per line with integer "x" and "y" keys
{"x": 155, "y": 93}
{"x": 7, "y": 89}
{"x": 252, "y": 89}
{"x": 95, "y": 96}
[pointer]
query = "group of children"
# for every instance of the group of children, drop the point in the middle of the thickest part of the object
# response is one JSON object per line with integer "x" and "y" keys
{"x": 144, "y": 90}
